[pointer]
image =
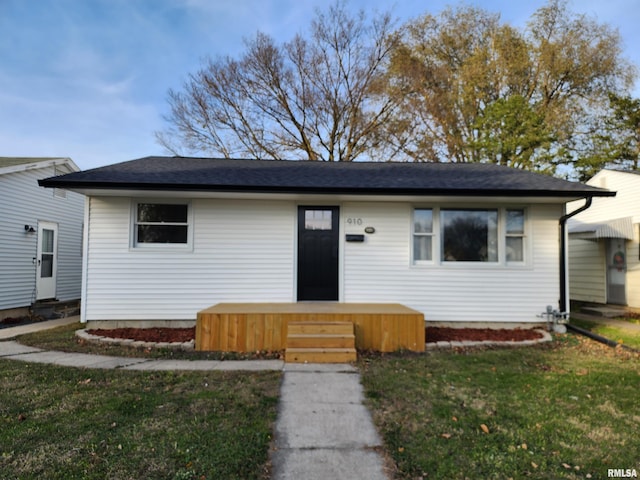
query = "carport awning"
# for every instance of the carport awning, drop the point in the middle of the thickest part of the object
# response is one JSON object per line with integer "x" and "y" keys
{"x": 616, "y": 228}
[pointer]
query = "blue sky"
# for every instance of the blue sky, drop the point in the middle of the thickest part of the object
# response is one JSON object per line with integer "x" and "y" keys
{"x": 88, "y": 79}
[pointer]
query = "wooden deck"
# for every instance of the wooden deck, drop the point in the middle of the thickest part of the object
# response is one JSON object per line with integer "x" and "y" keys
{"x": 249, "y": 327}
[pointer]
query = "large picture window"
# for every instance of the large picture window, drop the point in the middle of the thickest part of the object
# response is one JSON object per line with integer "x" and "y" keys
{"x": 469, "y": 235}
{"x": 161, "y": 223}
{"x": 482, "y": 235}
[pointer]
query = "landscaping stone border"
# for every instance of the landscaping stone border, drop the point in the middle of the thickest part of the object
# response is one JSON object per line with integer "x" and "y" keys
{"x": 546, "y": 337}
{"x": 190, "y": 345}
{"x": 185, "y": 346}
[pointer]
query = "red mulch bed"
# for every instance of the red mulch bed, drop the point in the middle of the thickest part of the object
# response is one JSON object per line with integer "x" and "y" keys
{"x": 443, "y": 334}
{"x": 148, "y": 334}
{"x": 433, "y": 334}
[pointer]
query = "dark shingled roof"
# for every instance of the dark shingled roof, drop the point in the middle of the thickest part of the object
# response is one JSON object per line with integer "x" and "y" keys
{"x": 281, "y": 176}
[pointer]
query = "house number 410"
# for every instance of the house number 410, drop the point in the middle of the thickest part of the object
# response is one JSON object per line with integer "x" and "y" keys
{"x": 354, "y": 221}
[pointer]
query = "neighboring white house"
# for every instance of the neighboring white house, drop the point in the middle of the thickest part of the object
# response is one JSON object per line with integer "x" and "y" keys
{"x": 169, "y": 236}
{"x": 41, "y": 235}
{"x": 604, "y": 258}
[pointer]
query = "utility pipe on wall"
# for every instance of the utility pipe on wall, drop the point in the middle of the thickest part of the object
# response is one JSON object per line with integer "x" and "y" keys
{"x": 564, "y": 302}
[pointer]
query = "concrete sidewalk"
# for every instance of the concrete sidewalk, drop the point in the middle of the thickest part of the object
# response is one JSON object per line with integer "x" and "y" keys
{"x": 323, "y": 429}
{"x": 630, "y": 327}
{"x": 12, "y": 332}
{"x": 15, "y": 351}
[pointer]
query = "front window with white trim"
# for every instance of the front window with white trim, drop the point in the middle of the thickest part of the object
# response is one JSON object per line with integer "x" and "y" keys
{"x": 471, "y": 235}
{"x": 161, "y": 223}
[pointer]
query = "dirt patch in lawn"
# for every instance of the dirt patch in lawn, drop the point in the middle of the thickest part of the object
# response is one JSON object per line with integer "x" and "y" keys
{"x": 433, "y": 334}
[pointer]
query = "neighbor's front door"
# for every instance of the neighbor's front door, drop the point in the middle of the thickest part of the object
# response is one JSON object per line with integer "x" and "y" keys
{"x": 47, "y": 260}
{"x": 616, "y": 271}
{"x": 318, "y": 243}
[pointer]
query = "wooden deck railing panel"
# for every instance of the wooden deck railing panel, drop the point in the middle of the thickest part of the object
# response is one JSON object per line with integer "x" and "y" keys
{"x": 263, "y": 327}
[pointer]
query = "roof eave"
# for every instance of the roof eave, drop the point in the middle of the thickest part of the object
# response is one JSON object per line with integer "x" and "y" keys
{"x": 570, "y": 194}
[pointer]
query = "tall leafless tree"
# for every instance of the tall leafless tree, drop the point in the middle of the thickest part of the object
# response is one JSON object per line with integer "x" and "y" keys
{"x": 316, "y": 98}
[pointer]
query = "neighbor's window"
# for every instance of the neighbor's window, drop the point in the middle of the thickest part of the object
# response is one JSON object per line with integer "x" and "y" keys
{"x": 515, "y": 236}
{"x": 161, "y": 223}
{"x": 423, "y": 234}
{"x": 469, "y": 235}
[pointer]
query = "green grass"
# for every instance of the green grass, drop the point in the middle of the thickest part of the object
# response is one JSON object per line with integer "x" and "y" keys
{"x": 623, "y": 336}
{"x": 565, "y": 410}
{"x": 68, "y": 423}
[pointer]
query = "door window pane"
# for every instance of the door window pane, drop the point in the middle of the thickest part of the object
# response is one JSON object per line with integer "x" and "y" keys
{"x": 469, "y": 235}
{"x": 317, "y": 219}
{"x": 47, "y": 240}
{"x": 46, "y": 256}
{"x": 46, "y": 266}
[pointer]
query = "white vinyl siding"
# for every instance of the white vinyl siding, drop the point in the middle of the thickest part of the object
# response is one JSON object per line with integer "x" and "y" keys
{"x": 587, "y": 271}
{"x": 22, "y": 203}
{"x": 626, "y": 203}
{"x": 633, "y": 267}
{"x": 242, "y": 252}
{"x": 380, "y": 270}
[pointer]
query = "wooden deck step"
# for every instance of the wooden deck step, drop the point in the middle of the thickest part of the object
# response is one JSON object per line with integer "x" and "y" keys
{"x": 320, "y": 342}
{"x": 320, "y": 355}
{"x": 320, "y": 328}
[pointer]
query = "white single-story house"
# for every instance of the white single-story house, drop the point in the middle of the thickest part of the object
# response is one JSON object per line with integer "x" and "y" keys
{"x": 41, "y": 235}
{"x": 169, "y": 236}
{"x": 604, "y": 253}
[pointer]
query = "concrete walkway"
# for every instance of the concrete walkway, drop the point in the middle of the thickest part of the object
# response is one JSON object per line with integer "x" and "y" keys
{"x": 12, "y": 332}
{"x": 15, "y": 351}
{"x": 606, "y": 320}
{"x": 323, "y": 430}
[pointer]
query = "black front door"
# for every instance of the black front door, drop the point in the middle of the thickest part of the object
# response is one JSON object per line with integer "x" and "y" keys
{"x": 318, "y": 253}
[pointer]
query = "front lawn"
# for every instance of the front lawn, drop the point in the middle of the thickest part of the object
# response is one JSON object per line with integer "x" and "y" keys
{"x": 564, "y": 410}
{"x": 69, "y": 423}
{"x": 619, "y": 335}
{"x": 567, "y": 409}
